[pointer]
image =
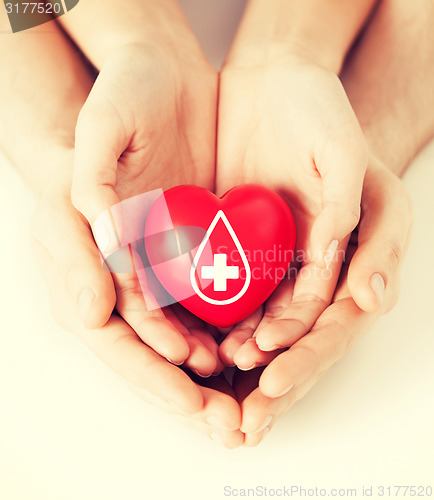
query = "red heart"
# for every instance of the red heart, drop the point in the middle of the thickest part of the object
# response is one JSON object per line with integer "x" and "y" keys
{"x": 221, "y": 258}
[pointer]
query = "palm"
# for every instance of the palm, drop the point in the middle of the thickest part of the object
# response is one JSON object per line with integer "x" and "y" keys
{"x": 165, "y": 123}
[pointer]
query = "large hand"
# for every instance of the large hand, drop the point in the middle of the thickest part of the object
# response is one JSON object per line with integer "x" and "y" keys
{"x": 288, "y": 124}
{"x": 62, "y": 239}
{"x": 379, "y": 248}
{"x": 149, "y": 122}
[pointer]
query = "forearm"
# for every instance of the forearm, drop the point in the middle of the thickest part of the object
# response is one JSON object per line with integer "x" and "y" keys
{"x": 43, "y": 87}
{"x": 320, "y": 30}
{"x": 390, "y": 81}
{"x": 101, "y": 26}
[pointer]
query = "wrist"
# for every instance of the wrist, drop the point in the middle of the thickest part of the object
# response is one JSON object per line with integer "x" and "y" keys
{"x": 164, "y": 52}
{"x": 102, "y": 27}
{"x": 320, "y": 31}
{"x": 288, "y": 51}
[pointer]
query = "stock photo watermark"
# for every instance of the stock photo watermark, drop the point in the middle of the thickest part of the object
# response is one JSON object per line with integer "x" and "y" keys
{"x": 25, "y": 15}
{"x": 298, "y": 491}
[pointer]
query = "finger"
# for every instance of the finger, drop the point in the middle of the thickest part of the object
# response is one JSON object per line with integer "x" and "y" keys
{"x": 221, "y": 413}
{"x": 332, "y": 336}
{"x": 290, "y": 376}
{"x": 229, "y": 439}
{"x": 220, "y": 417}
{"x": 203, "y": 357}
{"x": 62, "y": 231}
{"x": 100, "y": 139}
{"x": 382, "y": 239}
{"x": 249, "y": 356}
{"x": 242, "y": 331}
{"x": 289, "y": 317}
{"x": 257, "y": 410}
{"x": 152, "y": 326}
{"x": 342, "y": 165}
{"x": 252, "y": 439}
{"x": 214, "y": 365}
{"x": 117, "y": 345}
{"x": 219, "y": 410}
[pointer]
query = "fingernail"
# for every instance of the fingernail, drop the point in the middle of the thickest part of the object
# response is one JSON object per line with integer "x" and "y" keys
{"x": 330, "y": 253}
{"x": 378, "y": 287}
{"x": 249, "y": 368}
{"x": 285, "y": 391}
{"x": 268, "y": 348}
{"x": 216, "y": 422}
{"x": 264, "y": 424}
{"x": 85, "y": 303}
{"x": 201, "y": 375}
{"x": 173, "y": 362}
{"x": 266, "y": 431}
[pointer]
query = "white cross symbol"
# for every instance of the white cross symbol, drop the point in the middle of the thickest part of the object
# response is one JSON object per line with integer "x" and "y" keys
{"x": 220, "y": 272}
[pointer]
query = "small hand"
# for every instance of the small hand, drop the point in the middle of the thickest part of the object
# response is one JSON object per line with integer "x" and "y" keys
{"x": 288, "y": 124}
{"x": 382, "y": 240}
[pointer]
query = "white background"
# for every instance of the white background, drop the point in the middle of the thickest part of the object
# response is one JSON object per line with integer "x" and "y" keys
{"x": 70, "y": 430}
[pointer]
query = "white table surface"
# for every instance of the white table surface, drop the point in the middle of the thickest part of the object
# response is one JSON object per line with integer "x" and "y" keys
{"x": 70, "y": 429}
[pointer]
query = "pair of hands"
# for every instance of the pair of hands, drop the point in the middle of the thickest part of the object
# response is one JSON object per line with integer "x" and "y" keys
{"x": 150, "y": 121}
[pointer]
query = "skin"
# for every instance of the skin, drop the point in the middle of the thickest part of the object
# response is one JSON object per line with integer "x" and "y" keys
{"x": 285, "y": 121}
{"x": 152, "y": 376}
{"x": 396, "y": 130}
{"x": 154, "y": 103}
{"x": 62, "y": 236}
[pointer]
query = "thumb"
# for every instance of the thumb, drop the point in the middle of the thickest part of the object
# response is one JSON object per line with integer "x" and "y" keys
{"x": 100, "y": 140}
{"x": 382, "y": 240}
{"x": 65, "y": 236}
{"x": 342, "y": 166}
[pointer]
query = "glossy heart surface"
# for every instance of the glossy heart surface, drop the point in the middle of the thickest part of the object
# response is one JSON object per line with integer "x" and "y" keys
{"x": 221, "y": 258}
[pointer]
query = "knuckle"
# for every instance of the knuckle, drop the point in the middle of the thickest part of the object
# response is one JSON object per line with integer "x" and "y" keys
{"x": 316, "y": 361}
{"x": 392, "y": 253}
{"x": 129, "y": 285}
{"x": 307, "y": 299}
{"x": 347, "y": 215}
{"x": 274, "y": 311}
{"x": 343, "y": 338}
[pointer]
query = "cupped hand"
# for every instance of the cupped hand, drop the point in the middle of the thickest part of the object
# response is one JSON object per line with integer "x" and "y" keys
{"x": 288, "y": 124}
{"x": 67, "y": 257}
{"x": 376, "y": 249}
{"x": 149, "y": 122}
{"x": 66, "y": 237}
